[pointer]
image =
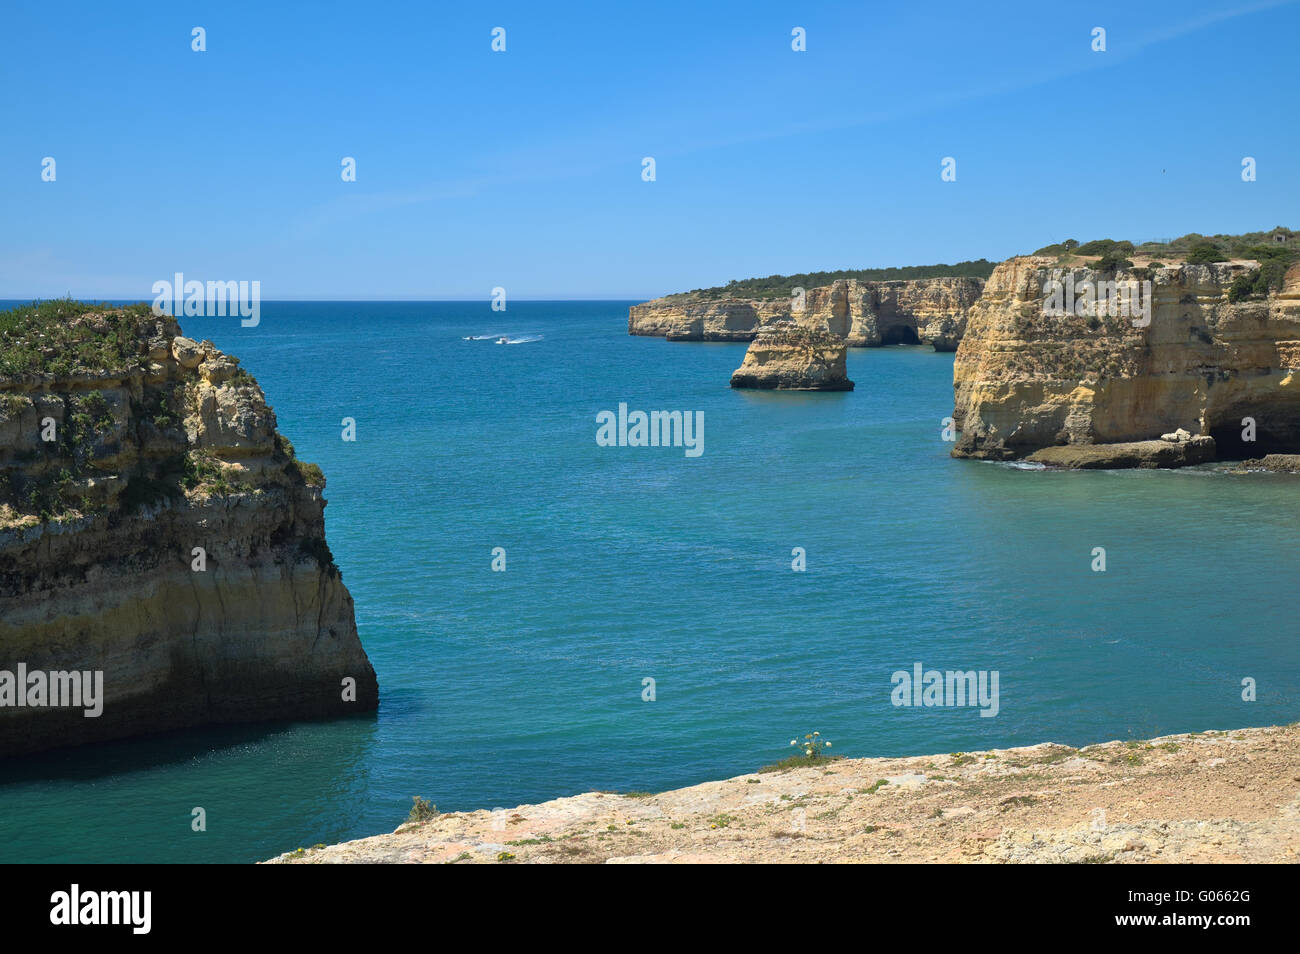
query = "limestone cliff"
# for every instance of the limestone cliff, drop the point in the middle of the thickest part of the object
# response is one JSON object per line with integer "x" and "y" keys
{"x": 156, "y": 528}
{"x": 1028, "y": 376}
{"x": 864, "y": 313}
{"x": 788, "y": 357}
{"x": 727, "y": 319}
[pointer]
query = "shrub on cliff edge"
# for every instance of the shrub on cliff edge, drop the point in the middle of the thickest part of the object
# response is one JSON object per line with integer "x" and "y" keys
{"x": 421, "y": 811}
{"x": 310, "y": 473}
{"x": 1111, "y": 261}
{"x": 812, "y": 752}
{"x": 1203, "y": 253}
{"x": 1104, "y": 247}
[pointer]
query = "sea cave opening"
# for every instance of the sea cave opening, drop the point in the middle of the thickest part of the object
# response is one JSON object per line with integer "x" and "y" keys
{"x": 1252, "y": 430}
{"x": 900, "y": 334}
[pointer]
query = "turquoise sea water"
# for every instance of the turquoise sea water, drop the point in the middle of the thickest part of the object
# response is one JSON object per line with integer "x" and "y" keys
{"x": 628, "y": 563}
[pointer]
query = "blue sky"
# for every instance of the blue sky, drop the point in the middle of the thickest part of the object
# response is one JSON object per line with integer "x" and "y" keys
{"x": 522, "y": 169}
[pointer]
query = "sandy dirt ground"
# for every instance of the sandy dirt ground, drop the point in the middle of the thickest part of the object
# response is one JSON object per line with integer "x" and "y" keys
{"x": 1206, "y": 797}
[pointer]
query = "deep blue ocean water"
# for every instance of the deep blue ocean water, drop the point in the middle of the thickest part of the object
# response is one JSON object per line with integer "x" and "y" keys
{"x": 625, "y": 563}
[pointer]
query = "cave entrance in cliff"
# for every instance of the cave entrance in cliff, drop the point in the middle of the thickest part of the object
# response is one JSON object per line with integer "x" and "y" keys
{"x": 900, "y": 334}
{"x": 1276, "y": 429}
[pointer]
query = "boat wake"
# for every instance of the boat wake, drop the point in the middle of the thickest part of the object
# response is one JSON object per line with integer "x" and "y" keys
{"x": 503, "y": 339}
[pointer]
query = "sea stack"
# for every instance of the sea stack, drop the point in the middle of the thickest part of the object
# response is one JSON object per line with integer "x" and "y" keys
{"x": 162, "y": 551}
{"x": 787, "y": 357}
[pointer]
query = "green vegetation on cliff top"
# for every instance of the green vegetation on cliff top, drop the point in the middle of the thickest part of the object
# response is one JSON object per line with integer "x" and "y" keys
{"x": 779, "y": 286}
{"x": 54, "y": 479}
{"x": 65, "y": 337}
{"x": 1275, "y": 250}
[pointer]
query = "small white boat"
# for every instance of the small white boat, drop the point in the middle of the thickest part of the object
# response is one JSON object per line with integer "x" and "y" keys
{"x": 503, "y": 340}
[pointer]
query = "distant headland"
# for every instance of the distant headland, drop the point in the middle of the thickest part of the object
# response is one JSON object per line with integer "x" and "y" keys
{"x": 1090, "y": 354}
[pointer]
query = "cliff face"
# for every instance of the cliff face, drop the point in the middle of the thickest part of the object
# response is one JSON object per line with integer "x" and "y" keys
{"x": 1026, "y": 379}
{"x": 154, "y": 527}
{"x": 789, "y": 357}
{"x": 727, "y": 319}
{"x": 865, "y": 314}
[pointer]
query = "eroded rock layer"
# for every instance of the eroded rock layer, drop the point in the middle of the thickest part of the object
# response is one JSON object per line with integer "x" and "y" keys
{"x": 1029, "y": 375}
{"x": 156, "y": 528}
{"x": 863, "y": 313}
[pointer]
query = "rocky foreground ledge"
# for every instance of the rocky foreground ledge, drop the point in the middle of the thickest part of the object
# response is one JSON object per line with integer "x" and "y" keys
{"x": 1201, "y": 797}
